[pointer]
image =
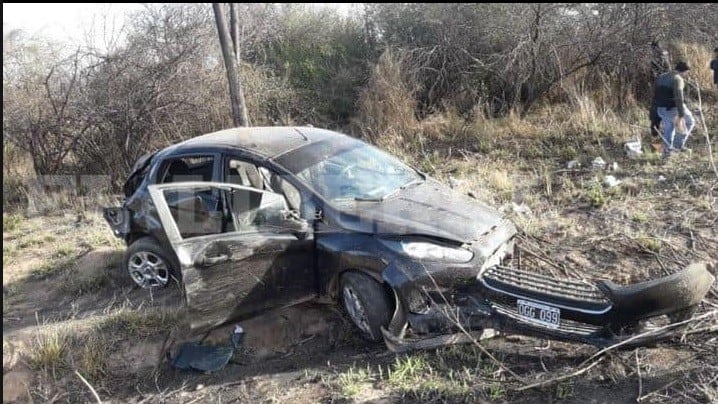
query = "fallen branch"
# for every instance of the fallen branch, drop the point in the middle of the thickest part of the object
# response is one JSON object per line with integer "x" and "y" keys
{"x": 561, "y": 378}
{"x": 585, "y": 366}
{"x": 647, "y": 333}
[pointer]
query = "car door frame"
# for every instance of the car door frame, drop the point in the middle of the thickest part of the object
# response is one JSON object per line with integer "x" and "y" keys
{"x": 188, "y": 250}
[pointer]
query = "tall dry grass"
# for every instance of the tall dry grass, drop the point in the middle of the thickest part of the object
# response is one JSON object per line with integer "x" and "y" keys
{"x": 583, "y": 114}
{"x": 387, "y": 105}
{"x": 17, "y": 171}
{"x": 698, "y": 58}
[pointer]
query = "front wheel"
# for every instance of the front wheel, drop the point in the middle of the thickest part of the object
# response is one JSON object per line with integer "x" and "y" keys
{"x": 367, "y": 303}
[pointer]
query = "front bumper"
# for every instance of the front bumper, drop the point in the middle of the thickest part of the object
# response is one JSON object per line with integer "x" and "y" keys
{"x": 600, "y": 314}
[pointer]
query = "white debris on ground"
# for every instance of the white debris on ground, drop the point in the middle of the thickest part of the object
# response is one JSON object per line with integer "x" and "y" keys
{"x": 611, "y": 181}
{"x": 573, "y": 164}
{"x": 598, "y": 163}
{"x": 661, "y": 178}
{"x": 633, "y": 149}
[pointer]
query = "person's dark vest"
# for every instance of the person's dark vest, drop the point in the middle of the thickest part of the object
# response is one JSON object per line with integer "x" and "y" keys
{"x": 663, "y": 93}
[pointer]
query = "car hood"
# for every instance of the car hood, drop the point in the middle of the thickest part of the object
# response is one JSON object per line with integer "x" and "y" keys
{"x": 429, "y": 209}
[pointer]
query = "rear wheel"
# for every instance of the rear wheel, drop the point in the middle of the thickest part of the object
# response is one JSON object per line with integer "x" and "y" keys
{"x": 149, "y": 265}
{"x": 367, "y": 303}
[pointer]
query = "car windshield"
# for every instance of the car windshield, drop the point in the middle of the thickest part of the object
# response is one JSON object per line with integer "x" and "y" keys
{"x": 355, "y": 171}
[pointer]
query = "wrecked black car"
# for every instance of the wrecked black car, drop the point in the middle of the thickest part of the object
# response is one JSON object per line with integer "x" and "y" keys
{"x": 252, "y": 219}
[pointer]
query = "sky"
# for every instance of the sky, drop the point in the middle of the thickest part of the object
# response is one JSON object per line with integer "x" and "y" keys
{"x": 61, "y": 21}
{"x": 69, "y": 22}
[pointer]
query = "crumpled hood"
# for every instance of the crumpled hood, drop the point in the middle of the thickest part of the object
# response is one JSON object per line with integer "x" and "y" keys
{"x": 429, "y": 209}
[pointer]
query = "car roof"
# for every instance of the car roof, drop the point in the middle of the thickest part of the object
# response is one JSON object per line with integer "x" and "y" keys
{"x": 267, "y": 142}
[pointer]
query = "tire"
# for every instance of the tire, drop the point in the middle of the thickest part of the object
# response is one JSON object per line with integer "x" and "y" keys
{"x": 149, "y": 265}
{"x": 367, "y": 304}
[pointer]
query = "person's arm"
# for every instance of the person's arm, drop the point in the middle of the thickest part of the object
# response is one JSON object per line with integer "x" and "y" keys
{"x": 678, "y": 95}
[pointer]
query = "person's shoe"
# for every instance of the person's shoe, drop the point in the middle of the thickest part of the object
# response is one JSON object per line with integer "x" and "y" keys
{"x": 686, "y": 150}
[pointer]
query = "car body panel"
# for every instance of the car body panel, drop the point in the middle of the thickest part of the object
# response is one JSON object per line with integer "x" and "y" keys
{"x": 428, "y": 209}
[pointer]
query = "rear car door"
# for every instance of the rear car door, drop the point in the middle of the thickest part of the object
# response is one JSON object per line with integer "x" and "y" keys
{"x": 261, "y": 259}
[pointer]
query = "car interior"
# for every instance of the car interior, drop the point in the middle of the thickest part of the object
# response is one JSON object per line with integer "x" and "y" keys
{"x": 246, "y": 174}
{"x": 209, "y": 212}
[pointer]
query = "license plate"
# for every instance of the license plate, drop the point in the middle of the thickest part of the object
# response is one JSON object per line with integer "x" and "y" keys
{"x": 539, "y": 313}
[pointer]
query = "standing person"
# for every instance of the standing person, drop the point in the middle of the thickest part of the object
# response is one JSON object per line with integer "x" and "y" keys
{"x": 659, "y": 65}
{"x": 714, "y": 66}
{"x": 671, "y": 107}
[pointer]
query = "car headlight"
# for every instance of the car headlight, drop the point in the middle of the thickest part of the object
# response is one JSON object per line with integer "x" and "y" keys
{"x": 423, "y": 250}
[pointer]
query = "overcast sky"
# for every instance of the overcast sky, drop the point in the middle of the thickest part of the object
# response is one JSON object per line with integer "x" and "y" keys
{"x": 70, "y": 21}
{"x": 61, "y": 21}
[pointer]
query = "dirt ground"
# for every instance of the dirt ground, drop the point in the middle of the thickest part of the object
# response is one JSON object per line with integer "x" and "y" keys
{"x": 70, "y": 313}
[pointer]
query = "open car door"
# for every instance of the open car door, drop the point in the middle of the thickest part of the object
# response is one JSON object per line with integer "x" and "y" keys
{"x": 239, "y": 257}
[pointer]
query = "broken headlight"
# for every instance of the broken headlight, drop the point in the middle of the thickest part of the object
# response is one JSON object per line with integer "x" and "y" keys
{"x": 424, "y": 250}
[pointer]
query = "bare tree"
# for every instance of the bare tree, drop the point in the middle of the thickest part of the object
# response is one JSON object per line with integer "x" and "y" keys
{"x": 231, "y": 54}
{"x": 41, "y": 110}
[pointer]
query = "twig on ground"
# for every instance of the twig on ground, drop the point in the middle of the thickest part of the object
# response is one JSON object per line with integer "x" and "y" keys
{"x": 663, "y": 267}
{"x": 654, "y": 392}
{"x": 89, "y": 386}
{"x": 598, "y": 356}
{"x": 640, "y": 380}
{"x": 647, "y": 333}
{"x": 561, "y": 378}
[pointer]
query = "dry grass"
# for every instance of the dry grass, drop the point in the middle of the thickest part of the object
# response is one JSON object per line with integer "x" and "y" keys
{"x": 140, "y": 322}
{"x": 53, "y": 267}
{"x": 94, "y": 353}
{"x": 11, "y": 223}
{"x": 76, "y": 284}
{"x": 698, "y": 58}
{"x": 387, "y": 104}
{"x": 48, "y": 349}
{"x": 500, "y": 182}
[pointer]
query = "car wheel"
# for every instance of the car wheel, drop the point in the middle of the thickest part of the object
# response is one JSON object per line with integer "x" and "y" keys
{"x": 366, "y": 302}
{"x": 148, "y": 264}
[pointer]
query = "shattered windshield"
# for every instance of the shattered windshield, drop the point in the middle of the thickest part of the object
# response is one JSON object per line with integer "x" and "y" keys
{"x": 354, "y": 171}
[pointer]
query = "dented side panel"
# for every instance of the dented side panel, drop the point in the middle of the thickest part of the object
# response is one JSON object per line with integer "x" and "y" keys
{"x": 234, "y": 275}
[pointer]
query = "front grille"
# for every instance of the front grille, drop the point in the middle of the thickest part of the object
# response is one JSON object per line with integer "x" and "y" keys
{"x": 503, "y": 278}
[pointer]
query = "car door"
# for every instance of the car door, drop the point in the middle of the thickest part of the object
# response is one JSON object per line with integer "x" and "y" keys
{"x": 263, "y": 260}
